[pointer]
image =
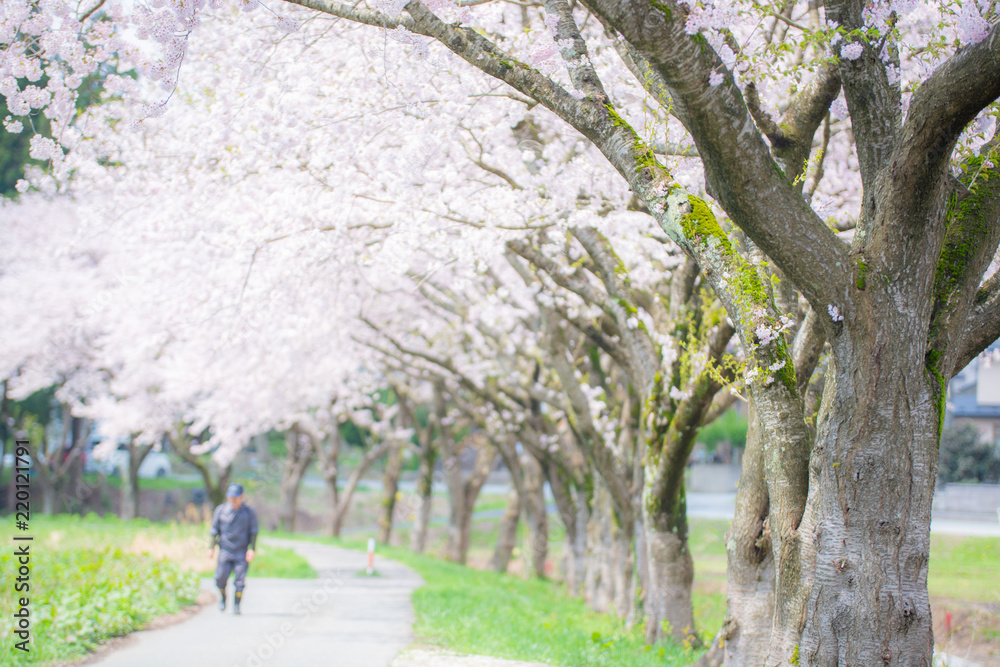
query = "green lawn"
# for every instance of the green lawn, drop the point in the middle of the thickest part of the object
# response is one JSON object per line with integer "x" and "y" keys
{"x": 81, "y": 597}
{"x": 280, "y": 562}
{"x": 965, "y": 568}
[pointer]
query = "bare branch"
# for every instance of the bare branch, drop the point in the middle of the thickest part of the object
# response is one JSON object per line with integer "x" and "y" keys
{"x": 570, "y": 281}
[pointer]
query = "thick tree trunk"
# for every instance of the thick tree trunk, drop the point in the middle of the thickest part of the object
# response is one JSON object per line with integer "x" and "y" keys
{"x": 623, "y": 569}
{"x": 130, "y": 480}
{"x": 215, "y": 484}
{"x": 216, "y": 487}
{"x": 390, "y": 490}
{"x": 640, "y": 576}
{"x": 336, "y": 516}
{"x": 608, "y": 584}
{"x": 130, "y": 493}
{"x": 508, "y": 533}
{"x": 48, "y": 495}
{"x": 425, "y": 498}
{"x": 537, "y": 549}
{"x": 746, "y": 633}
{"x": 459, "y": 532}
{"x": 671, "y": 573}
{"x": 574, "y": 510}
{"x": 862, "y": 596}
{"x": 598, "y": 588}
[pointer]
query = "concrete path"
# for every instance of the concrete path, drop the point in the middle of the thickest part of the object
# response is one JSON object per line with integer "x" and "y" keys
{"x": 340, "y": 619}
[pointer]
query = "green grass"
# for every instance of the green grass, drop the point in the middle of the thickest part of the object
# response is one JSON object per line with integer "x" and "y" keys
{"x": 280, "y": 562}
{"x": 486, "y": 502}
{"x": 965, "y": 568}
{"x": 64, "y": 531}
{"x": 488, "y": 613}
{"x": 80, "y": 597}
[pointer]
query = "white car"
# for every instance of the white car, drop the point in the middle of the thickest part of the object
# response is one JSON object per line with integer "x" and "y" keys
{"x": 156, "y": 464}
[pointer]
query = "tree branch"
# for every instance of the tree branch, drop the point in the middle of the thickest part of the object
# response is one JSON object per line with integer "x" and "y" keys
{"x": 644, "y": 359}
{"x": 970, "y": 245}
{"x": 943, "y": 105}
{"x": 569, "y": 281}
{"x": 873, "y": 102}
{"x": 984, "y": 323}
{"x": 806, "y": 348}
{"x": 738, "y": 163}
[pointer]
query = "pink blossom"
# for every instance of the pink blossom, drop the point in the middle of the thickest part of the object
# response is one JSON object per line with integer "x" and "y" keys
{"x": 972, "y": 27}
{"x": 852, "y": 51}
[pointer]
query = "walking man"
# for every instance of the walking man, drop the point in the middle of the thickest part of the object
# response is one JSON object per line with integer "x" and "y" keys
{"x": 234, "y": 533}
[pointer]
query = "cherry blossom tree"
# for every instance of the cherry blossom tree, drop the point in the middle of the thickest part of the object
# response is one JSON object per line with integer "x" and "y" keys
{"x": 840, "y": 500}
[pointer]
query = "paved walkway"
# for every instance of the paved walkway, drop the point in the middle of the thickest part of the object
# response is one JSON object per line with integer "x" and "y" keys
{"x": 338, "y": 619}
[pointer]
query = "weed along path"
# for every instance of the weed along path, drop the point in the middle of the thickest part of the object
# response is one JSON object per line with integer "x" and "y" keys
{"x": 343, "y": 617}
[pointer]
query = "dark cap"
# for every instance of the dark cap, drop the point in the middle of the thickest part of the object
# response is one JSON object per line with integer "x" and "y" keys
{"x": 234, "y": 490}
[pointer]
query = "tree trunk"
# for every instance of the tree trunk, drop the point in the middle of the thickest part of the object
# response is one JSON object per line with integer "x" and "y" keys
{"x": 536, "y": 516}
{"x": 462, "y": 495}
{"x": 598, "y": 591}
{"x": 746, "y": 633}
{"x": 622, "y": 568}
{"x": 340, "y": 502}
{"x": 425, "y": 499}
{"x": 215, "y": 485}
{"x": 864, "y": 538}
{"x": 666, "y": 447}
{"x": 459, "y": 532}
{"x": 390, "y": 490}
{"x": 54, "y": 468}
{"x": 508, "y": 533}
{"x": 48, "y": 495}
{"x": 43, "y": 473}
{"x": 574, "y": 511}
{"x": 299, "y": 455}
{"x": 640, "y": 576}
{"x": 671, "y": 573}
{"x": 130, "y": 480}
{"x": 336, "y": 516}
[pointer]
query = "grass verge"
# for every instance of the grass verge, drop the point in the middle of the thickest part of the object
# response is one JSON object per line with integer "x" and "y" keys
{"x": 487, "y": 613}
{"x": 81, "y": 597}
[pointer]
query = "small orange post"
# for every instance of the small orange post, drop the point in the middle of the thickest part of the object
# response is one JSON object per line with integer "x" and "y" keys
{"x": 371, "y": 555}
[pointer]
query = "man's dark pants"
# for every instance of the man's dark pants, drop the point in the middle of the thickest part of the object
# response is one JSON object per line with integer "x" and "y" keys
{"x": 231, "y": 563}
